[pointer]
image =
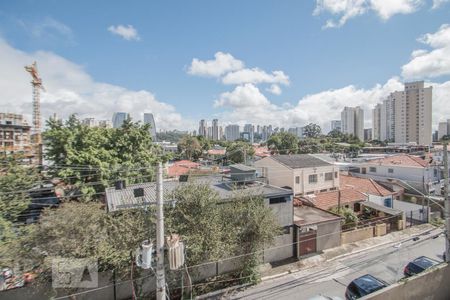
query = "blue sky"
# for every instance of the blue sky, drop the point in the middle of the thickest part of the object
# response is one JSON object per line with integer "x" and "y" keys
{"x": 368, "y": 48}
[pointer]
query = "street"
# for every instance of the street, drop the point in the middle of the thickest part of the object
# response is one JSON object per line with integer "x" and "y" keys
{"x": 332, "y": 278}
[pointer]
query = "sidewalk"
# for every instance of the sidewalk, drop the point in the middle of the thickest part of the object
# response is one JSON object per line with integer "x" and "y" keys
{"x": 269, "y": 272}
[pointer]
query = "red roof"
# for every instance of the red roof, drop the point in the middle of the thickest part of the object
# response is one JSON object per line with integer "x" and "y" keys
{"x": 401, "y": 160}
{"x": 364, "y": 185}
{"x": 261, "y": 151}
{"x": 181, "y": 167}
{"x": 329, "y": 200}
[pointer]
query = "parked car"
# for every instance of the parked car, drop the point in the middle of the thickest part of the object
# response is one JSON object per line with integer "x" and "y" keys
{"x": 418, "y": 265}
{"x": 363, "y": 286}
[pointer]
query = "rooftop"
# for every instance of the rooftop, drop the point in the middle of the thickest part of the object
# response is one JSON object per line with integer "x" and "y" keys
{"x": 242, "y": 167}
{"x": 298, "y": 161}
{"x": 364, "y": 185}
{"x": 387, "y": 210}
{"x": 401, "y": 160}
{"x": 125, "y": 199}
{"x": 329, "y": 200}
{"x": 307, "y": 215}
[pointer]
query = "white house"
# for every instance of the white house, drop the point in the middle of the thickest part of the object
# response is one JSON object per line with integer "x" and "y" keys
{"x": 303, "y": 173}
{"x": 422, "y": 174}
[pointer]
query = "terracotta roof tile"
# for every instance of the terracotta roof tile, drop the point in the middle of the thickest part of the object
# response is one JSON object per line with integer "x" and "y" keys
{"x": 364, "y": 185}
{"x": 401, "y": 160}
{"x": 328, "y": 200}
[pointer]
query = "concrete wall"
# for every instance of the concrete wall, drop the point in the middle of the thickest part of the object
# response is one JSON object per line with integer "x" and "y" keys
{"x": 380, "y": 229}
{"x": 277, "y": 174}
{"x": 431, "y": 285}
{"x": 356, "y": 235}
{"x": 284, "y": 212}
{"x": 281, "y": 248}
{"x": 328, "y": 235}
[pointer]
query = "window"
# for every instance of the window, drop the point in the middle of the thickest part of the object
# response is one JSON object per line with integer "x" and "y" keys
{"x": 372, "y": 169}
{"x": 310, "y": 193}
{"x": 297, "y": 179}
{"x": 324, "y": 190}
{"x": 335, "y": 174}
{"x": 329, "y": 176}
{"x": 277, "y": 200}
{"x": 390, "y": 171}
{"x": 286, "y": 230}
{"x": 313, "y": 178}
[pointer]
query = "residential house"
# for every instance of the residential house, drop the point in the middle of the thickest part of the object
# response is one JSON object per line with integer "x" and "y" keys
{"x": 422, "y": 174}
{"x": 303, "y": 173}
{"x": 316, "y": 229}
{"x": 349, "y": 198}
{"x": 374, "y": 191}
{"x": 182, "y": 167}
{"x": 278, "y": 199}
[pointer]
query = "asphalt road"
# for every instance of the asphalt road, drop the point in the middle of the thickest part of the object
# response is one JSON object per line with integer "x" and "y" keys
{"x": 386, "y": 263}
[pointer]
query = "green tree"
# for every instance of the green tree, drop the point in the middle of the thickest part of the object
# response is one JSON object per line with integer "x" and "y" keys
{"x": 283, "y": 143}
{"x": 90, "y": 158}
{"x": 335, "y": 133}
{"x": 15, "y": 181}
{"x": 190, "y": 147}
{"x": 239, "y": 151}
{"x": 312, "y": 130}
{"x": 350, "y": 217}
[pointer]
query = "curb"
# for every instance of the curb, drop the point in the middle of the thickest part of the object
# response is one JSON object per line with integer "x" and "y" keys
{"x": 347, "y": 254}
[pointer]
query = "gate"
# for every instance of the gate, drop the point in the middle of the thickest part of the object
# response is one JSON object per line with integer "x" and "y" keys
{"x": 307, "y": 242}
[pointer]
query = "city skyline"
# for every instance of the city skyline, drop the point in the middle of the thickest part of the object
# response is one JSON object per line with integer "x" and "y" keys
{"x": 225, "y": 82}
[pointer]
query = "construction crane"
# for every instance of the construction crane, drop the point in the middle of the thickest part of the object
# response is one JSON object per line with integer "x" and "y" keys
{"x": 36, "y": 83}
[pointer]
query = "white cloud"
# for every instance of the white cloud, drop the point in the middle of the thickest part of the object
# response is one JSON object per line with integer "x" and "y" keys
{"x": 255, "y": 76}
{"x": 434, "y": 63}
{"x": 127, "y": 32}
{"x": 221, "y": 64}
{"x": 48, "y": 29}
{"x": 71, "y": 90}
{"x": 387, "y": 9}
{"x": 247, "y": 95}
{"x": 347, "y": 9}
{"x": 274, "y": 89}
{"x": 439, "y": 3}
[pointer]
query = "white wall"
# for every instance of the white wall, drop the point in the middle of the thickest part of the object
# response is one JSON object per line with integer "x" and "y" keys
{"x": 277, "y": 174}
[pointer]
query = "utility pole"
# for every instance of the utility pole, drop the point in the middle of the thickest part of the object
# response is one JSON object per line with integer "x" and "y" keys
{"x": 160, "y": 276}
{"x": 446, "y": 205}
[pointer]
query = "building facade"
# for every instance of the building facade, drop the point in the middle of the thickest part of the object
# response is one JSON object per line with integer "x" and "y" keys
{"x": 336, "y": 125}
{"x": 232, "y": 132}
{"x": 202, "y": 128}
{"x": 149, "y": 119}
{"x": 215, "y": 130}
{"x": 118, "y": 119}
{"x": 376, "y": 122}
{"x": 15, "y": 135}
{"x": 352, "y": 121}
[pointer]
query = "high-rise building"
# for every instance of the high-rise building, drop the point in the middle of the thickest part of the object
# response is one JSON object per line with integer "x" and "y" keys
{"x": 367, "y": 134}
{"x": 376, "y": 122}
{"x": 15, "y": 135}
{"x": 90, "y": 122}
{"x": 250, "y": 129}
{"x": 232, "y": 132}
{"x": 118, "y": 119}
{"x": 387, "y": 120}
{"x": 297, "y": 131}
{"x": 104, "y": 123}
{"x": 405, "y": 116}
{"x": 336, "y": 125}
{"x": 202, "y": 128}
{"x": 209, "y": 132}
{"x": 215, "y": 130}
{"x": 352, "y": 119}
{"x": 149, "y": 119}
{"x": 442, "y": 130}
